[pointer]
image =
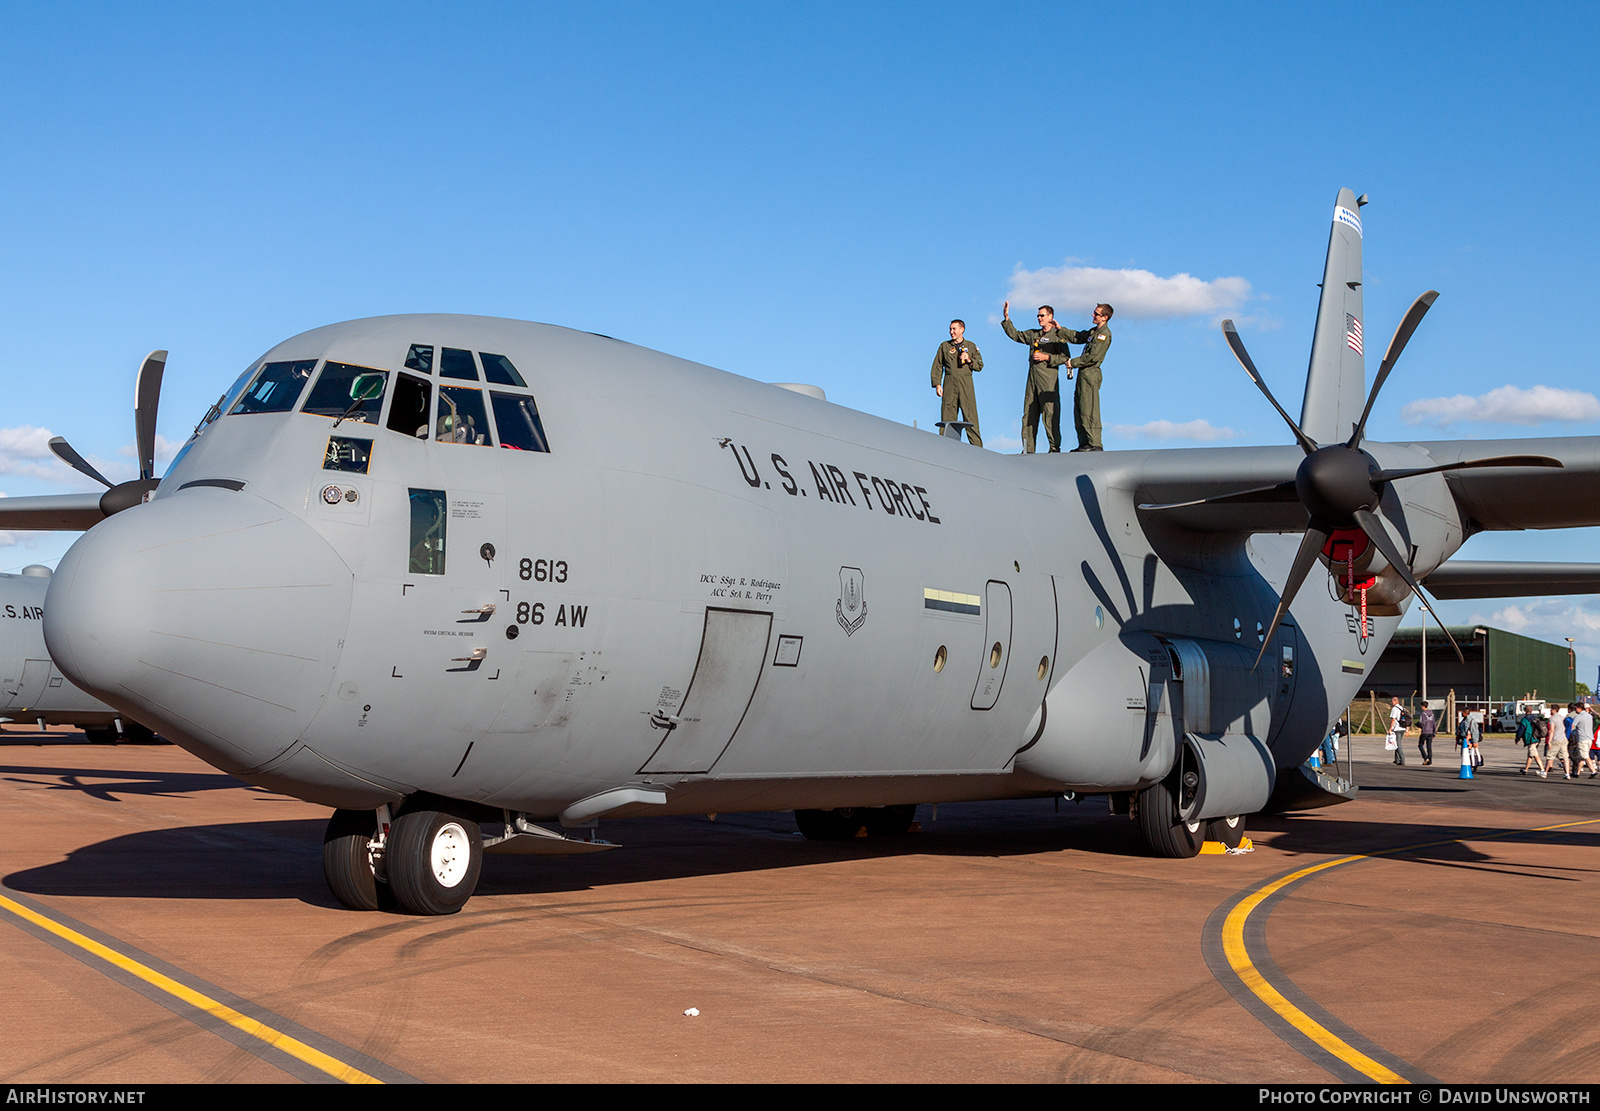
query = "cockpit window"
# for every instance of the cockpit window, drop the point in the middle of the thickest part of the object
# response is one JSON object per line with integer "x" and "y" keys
{"x": 498, "y": 369}
{"x": 408, "y": 414}
{"x": 517, "y": 418}
{"x": 276, "y": 388}
{"x": 350, "y": 393}
{"x": 456, "y": 363}
{"x": 420, "y": 357}
{"x": 462, "y": 418}
{"x": 428, "y": 515}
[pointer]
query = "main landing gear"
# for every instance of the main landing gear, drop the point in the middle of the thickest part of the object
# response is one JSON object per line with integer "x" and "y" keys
{"x": 1165, "y": 830}
{"x": 425, "y": 861}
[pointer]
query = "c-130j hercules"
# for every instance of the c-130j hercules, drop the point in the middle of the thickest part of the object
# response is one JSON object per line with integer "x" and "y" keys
{"x": 683, "y": 591}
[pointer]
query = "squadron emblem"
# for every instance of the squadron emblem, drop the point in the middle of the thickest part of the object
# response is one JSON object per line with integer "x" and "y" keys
{"x": 852, "y": 605}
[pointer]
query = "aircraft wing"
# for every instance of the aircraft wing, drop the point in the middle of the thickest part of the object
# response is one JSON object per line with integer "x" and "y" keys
{"x": 1172, "y": 477}
{"x": 1503, "y": 498}
{"x": 1492, "y": 579}
{"x": 52, "y": 512}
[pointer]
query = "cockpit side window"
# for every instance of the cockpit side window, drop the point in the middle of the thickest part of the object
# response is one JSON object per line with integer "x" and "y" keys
{"x": 420, "y": 357}
{"x": 429, "y": 509}
{"x": 517, "y": 418}
{"x": 408, "y": 414}
{"x": 498, "y": 369}
{"x": 351, "y": 393}
{"x": 456, "y": 363}
{"x": 276, "y": 388}
{"x": 462, "y": 417}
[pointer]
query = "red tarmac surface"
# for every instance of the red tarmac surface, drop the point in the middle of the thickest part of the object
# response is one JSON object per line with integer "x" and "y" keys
{"x": 1004, "y": 942}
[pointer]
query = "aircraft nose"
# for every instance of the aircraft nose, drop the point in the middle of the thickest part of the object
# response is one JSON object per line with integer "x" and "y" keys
{"x": 210, "y": 615}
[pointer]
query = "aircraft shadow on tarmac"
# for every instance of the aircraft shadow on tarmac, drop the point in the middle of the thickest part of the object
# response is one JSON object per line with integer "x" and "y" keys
{"x": 109, "y": 783}
{"x": 282, "y": 859}
{"x": 1440, "y": 845}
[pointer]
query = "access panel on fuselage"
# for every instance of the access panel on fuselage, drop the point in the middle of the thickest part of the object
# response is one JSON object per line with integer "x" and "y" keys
{"x": 996, "y": 656}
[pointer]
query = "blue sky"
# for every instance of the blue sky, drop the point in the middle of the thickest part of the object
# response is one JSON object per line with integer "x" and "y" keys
{"x": 805, "y": 192}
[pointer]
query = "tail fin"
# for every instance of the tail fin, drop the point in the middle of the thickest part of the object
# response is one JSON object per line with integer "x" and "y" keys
{"x": 1336, "y": 380}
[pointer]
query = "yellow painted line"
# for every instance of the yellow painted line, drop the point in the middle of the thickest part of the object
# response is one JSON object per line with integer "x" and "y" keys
{"x": 1233, "y": 948}
{"x": 275, "y": 1038}
{"x": 1239, "y": 959}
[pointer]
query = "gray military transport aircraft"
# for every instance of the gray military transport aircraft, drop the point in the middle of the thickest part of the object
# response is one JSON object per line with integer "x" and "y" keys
{"x": 443, "y": 573}
{"x": 32, "y": 688}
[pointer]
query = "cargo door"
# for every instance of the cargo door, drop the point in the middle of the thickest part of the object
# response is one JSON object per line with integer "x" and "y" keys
{"x": 733, "y": 650}
{"x": 996, "y": 656}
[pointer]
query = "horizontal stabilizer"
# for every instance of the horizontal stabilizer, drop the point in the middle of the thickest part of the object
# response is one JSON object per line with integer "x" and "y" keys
{"x": 1468, "y": 579}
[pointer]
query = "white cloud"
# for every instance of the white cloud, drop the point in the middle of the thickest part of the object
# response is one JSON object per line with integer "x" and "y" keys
{"x": 25, "y": 450}
{"x": 1201, "y": 431}
{"x": 1132, "y": 293}
{"x": 1505, "y": 405}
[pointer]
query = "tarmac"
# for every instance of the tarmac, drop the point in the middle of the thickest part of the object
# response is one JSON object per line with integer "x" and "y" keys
{"x": 165, "y": 923}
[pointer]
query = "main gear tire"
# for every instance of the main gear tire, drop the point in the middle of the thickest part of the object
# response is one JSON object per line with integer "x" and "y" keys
{"x": 347, "y": 861}
{"x": 433, "y": 861}
{"x": 841, "y": 824}
{"x": 1229, "y": 830}
{"x": 1164, "y": 831}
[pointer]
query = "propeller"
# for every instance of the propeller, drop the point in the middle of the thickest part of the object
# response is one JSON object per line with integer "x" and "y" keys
{"x": 146, "y": 401}
{"x": 1341, "y": 485}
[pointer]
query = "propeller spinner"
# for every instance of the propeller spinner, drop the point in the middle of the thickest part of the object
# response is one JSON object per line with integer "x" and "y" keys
{"x": 1341, "y": 485}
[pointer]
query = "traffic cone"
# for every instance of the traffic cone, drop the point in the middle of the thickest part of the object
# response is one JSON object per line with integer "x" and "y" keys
{"x": 1466, "y": 762}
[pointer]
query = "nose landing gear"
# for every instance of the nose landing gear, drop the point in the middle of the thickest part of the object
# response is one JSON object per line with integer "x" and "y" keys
{"x": 428, "y": 863}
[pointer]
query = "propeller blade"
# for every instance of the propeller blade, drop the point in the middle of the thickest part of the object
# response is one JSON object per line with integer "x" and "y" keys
{"x": 1231, "y": 334}
{"x": 1402, "y": 336}
{"x": 64, "y": 452}
{"x": 1237, "y": 495}
{"x": 1373, "y": 527}
{"x": 146, "y": 398}
{"x": 1497, "y": 461}
{"x": 1310, "y": 545}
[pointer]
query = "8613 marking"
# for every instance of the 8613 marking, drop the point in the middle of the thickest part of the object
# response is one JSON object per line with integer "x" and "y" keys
{"x": 543, "y": 570}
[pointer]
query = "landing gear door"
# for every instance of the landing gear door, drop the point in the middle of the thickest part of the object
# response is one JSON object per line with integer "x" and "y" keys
{"x": 733, "y": 650}
{"x": 996, "y": 645}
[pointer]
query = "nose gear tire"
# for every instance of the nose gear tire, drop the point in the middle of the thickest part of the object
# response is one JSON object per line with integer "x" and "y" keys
{"x": 433, "y": 861}
{"x": 347, "y": 861}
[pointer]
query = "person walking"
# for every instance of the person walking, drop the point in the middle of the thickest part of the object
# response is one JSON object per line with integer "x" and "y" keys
{"x": 1582, "y": 739}
{"x": 1397, "y": 731}
{"x": 954, "y": 364}
{"x": 1527, "y": 735}
{"x": 1428, "y": 725}
{"x": 1557, "y": 741}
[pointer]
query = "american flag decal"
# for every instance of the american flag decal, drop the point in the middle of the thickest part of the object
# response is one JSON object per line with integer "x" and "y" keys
{"x": 1352, "y": 333}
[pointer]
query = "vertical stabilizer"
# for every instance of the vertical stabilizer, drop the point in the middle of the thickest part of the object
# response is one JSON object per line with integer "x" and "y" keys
{"x": 1336, "y": 380}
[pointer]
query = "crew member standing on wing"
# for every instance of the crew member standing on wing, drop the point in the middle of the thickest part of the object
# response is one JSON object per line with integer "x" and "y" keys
{"x": 954, "y": 364}
{"x": 1086, "y": 401}
{"x": 1041, "y": 397}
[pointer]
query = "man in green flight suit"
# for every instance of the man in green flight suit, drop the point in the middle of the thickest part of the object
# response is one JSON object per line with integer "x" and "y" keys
{"x": 1040, "y": 397}
{"x": 1086, "y": 401}
{"x": 954, "y": 364}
